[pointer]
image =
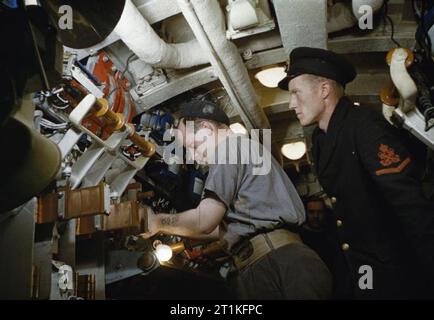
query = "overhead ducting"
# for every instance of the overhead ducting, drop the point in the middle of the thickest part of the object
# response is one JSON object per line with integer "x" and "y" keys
{"x": 302, "y": 23}
{"x": 141, "y": 39}
{"x": 122, "y": 20}
{"x": 339, "y": 17}
{"x": 207, "y": 21}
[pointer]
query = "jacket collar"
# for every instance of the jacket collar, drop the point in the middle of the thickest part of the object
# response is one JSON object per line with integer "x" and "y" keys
{"x": 324, "y": 143}
{"x": 338, "y": 117}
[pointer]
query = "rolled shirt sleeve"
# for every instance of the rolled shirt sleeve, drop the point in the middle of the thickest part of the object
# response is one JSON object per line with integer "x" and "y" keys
{"x": 222, "y": 180}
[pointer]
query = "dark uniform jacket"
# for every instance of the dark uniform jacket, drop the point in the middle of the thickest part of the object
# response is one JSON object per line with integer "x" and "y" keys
{"x": 384, "y": 221}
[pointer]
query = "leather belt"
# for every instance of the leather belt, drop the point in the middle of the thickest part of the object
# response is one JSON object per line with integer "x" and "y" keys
{"x": 262, "y": 244}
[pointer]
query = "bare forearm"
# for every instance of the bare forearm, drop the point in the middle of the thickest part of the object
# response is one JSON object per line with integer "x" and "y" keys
{"x": 198, "y": 223}
{"x": 185, "y": 224}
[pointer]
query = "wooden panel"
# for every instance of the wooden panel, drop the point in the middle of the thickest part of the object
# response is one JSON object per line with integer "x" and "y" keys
{"x": 122, "y": 215}
{"x": 85, "y": 225}
{"x": 47, "y": 208}
{"x": 84, "y": 202}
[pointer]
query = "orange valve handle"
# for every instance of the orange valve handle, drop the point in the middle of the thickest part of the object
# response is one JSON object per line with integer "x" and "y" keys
{"x": 148, "y": 148}
{"x": 117, "y": 120}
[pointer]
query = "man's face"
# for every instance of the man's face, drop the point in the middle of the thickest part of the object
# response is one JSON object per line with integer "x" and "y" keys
{"x": 198, "y": 139}
{"x": 315, "y": 214}
{"x": 305, "y": 99}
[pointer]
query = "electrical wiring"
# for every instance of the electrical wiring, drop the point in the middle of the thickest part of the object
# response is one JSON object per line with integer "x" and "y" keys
{"x": 429, "y": 115}
{"x": 57, "y": 98}
{"x": 388, "y": 18}
{"x": 424, "y": 41}
{"x": 122, "y": 74}
{"x": 51, "y": 125}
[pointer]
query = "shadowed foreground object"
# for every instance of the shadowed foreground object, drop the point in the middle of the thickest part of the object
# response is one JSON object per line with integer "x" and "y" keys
{"x": 30, "y": 162}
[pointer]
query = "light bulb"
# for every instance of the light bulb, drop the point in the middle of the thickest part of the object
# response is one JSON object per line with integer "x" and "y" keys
{"x": 163, "y": 252}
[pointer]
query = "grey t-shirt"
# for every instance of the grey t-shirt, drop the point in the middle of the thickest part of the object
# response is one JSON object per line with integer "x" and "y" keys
{"x": 255, "y": 203}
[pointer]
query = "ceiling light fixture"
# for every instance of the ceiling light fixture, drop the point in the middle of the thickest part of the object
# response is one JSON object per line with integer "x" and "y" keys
{"x": 294, "y": 150}
{"x": 238, "y": 128}
{"x": 271, "y": 77}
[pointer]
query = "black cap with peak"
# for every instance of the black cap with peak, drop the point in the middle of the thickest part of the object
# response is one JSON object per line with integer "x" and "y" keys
{"x": 319, "y": 62}
{"x": 204, "y": 110}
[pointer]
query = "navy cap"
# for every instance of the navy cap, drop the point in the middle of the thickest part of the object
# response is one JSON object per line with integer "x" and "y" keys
{"x": 319, "y": 62}
{"x": 204, "y": 110}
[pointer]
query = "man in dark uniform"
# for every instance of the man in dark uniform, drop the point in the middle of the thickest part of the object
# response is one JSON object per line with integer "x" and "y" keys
{"x": 385, "y": 224}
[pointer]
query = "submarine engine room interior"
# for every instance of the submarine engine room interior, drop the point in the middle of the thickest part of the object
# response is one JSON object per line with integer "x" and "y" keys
{"x": 83, "y": 153}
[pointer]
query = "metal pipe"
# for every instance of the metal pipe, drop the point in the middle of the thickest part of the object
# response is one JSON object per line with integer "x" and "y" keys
{"x": 140, "y": 37}
{"x": 177, "y": 247}
{"x": 260, "y": 121}
{"x": 402, "y": 79}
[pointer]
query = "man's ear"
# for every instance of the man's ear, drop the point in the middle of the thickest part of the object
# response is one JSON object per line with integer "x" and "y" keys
{"x": 325, "y": 88}
{"x": 207, "y": 125}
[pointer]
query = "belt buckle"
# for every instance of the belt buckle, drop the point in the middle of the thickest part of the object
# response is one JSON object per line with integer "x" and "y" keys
{"x": 246, "y": 251}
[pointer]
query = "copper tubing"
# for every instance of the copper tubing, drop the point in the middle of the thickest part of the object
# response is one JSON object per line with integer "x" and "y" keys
{"x": 101, "y": 107}
{"x": 212, "y": 248}
{"x": 147, "y": 147}
{"x": 208, "y": 248}
{"x": 117, "y": 121}
{"x": 145, "y": 195}
{"x": 389, "y": 95}
{"x": 177, "y": 247}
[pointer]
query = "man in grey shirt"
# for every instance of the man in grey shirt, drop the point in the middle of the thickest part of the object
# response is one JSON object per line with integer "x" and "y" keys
{"x": 255, "y": 202}
{"x": 255, "y": 215}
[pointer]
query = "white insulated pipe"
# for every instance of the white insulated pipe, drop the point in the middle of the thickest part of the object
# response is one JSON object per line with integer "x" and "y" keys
{"x": 339, "y": 17}
{"x": 342, "y": 15}
{"x": 207, "y": 22}
{"x": 402, "y": 79}
{"x": 388, "y": 112}
{"x": 302, "y": 23}
{"x": 140, "y": 37}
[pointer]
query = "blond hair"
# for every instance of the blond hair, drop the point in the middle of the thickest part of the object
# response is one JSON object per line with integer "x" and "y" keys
{"x": 337, "y": 88}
